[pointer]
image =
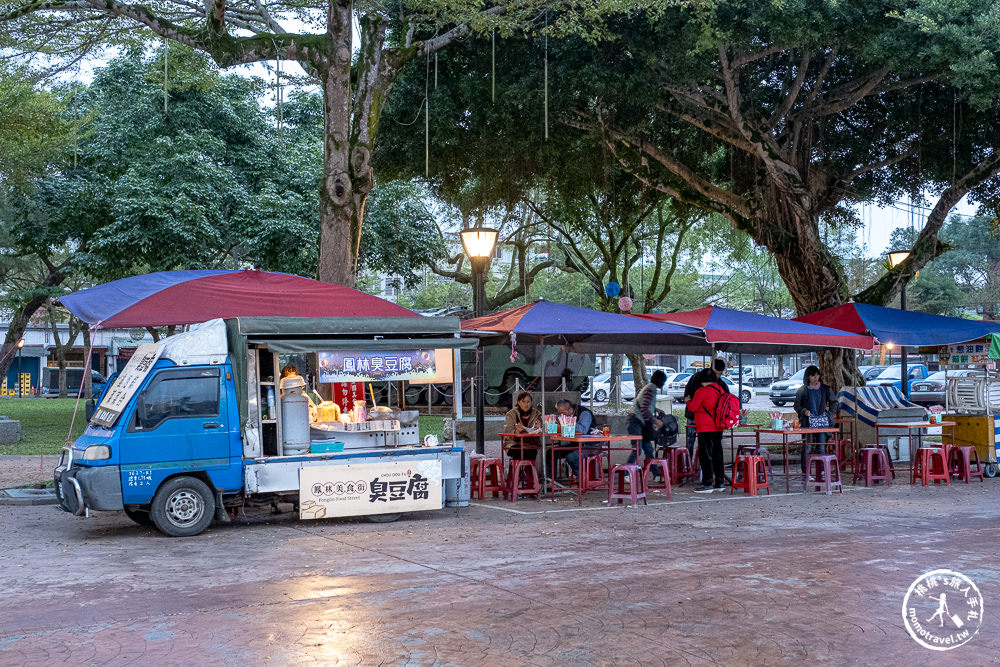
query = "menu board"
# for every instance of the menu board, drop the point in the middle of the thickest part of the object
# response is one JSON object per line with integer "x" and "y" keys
{"x": 976, "y": 352}
{"x": 126, "y": 384}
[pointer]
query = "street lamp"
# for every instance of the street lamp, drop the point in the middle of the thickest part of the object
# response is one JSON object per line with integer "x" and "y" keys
{"x": 897, "y": 257}
{"x": 478, "y": 243}
{"x": 20, "y": 346}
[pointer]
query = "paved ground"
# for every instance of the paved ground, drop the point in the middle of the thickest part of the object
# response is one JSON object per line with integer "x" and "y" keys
{"x": 18, "y": 470}
{"x": 786, "y": 579}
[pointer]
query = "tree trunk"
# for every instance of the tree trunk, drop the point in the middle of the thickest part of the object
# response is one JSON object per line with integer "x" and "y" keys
{"x": 340, "y": 212}
{"x": 639, "y": 378}
{"x": 61, "y": 361}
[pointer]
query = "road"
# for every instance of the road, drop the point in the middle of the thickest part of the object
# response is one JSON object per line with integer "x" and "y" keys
{"x": 703, "y": 580}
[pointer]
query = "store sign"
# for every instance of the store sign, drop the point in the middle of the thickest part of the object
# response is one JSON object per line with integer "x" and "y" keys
{"x": 345, "y": 393}
{"x": 126, "y": 384}
{"x": 964, "y": 353}
{"x": 376, "y": 366}
{"x": 369, "y": 488}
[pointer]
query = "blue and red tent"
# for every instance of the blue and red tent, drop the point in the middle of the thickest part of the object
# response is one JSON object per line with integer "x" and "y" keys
{"x": 584, "y": 330}
{"x": 186, "y": 297}
{"x": 738, "y": 331}
{"x": 901, "y": 327}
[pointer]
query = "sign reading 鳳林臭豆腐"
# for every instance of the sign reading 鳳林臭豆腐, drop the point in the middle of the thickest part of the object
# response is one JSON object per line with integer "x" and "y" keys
{"x": 126, "y": 384}
{"x": 376, "y": 366}
{"x": 369, "y": 488}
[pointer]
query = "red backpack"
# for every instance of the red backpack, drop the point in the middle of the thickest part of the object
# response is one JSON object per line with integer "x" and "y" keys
{"x": 727, "y": 410}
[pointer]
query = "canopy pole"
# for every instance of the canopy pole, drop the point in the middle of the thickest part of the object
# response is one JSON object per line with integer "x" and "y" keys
{"x": 739, "y": 358}
{"x": 544, "y": 448}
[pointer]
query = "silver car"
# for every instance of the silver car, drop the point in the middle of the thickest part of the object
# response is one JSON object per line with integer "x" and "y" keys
{"x": 930, "y": 390}
{"x": 783, "y": 391}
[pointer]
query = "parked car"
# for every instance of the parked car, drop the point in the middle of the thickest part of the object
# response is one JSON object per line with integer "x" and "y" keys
{"x": 930, "y": 390}
{"x": 602, "y": 385}
{"x": 74, "y": 378}
{"x": 890, "y": 376}
{"x": 675, "y": 387}
{"x": 784, "y": 391}
{"x": 871, "y": 372}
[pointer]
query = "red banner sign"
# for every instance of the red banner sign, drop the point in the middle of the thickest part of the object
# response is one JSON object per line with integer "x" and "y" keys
{"x": 345, "y": 393}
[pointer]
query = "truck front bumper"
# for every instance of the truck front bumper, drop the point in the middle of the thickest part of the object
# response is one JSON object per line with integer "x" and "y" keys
{"x": 79, "y": 488}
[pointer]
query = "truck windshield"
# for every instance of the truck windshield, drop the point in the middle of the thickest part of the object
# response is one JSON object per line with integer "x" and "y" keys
{"x": 891, "y": 373}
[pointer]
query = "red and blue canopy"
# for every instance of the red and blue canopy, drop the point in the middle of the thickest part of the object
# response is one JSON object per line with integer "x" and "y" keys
{"x": 901, "y": 327}
{"x": 584, "y": 330}
{"x": 737, "y": 331}
{"x": 186, "y": 297}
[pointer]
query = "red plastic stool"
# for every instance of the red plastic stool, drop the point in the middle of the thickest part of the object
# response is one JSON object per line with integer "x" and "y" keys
{"x": 888, "y": 457}
{"x": 840, "y": 449}
{"x": 827, "y": 473}
{"x": 960, "y": 463}
{"x": 930, "y": 465}
{"x": 873, "y": 466}
{"x": 681, "y": 465}
{"x": 522, "y": 479}
{"x": 592, "y": 472}
{"x": 750, "y": 474}
{"x": 757, "y": 450}
{"x": 487, "y": 477}
{"x": 665, "y": 473}
{"x": 621, "y": 472}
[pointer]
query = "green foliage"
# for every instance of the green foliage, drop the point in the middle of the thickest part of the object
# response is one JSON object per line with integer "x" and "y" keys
{"x": 32, "y": 128}
{"x": 400, "y": 235}
{"x": 193, "y": 186}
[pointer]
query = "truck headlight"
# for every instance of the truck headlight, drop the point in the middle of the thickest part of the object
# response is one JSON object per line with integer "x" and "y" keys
{"x": 97, "y": 453}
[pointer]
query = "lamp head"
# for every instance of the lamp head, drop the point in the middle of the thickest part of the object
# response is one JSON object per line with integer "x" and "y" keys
{"x": 890, "y": 346}
{"x": 20, "y": 344}
{"x": 897, "y": 257}
{"x": 478, "y": 242}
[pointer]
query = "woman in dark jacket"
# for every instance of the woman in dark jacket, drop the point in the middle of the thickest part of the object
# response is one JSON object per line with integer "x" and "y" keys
{"x": 816, "y": 406}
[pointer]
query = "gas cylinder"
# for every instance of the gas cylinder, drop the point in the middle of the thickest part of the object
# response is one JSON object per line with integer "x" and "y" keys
{"x": 294, "y": 415}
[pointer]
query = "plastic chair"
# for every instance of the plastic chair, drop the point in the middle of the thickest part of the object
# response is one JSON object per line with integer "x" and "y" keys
{"x": 750, "y": 474}
{"x": 827, "y": 472}
{"x": 930, "y": 466}
{"x": 637, "y": 491}
{"x": 522, "y": 479}
{"x": 960, "y": 463}
{"x": 647, "y": 467}
{"x": 487, "y": 477}
{"x": 873, "y": 466}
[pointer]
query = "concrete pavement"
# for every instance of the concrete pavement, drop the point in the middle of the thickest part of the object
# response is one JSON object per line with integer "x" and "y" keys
{"x": 786, "y": 579}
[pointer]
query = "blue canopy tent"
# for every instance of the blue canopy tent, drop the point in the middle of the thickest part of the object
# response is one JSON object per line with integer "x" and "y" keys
{"x": 900, "y": 327}
{"x": 581, "y": 330}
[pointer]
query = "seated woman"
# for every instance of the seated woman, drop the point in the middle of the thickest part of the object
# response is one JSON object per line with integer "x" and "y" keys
{"x": 523, "y": 418}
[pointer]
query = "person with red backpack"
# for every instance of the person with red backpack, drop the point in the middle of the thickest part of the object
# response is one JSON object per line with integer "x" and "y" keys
{"x": 712, "y": 409}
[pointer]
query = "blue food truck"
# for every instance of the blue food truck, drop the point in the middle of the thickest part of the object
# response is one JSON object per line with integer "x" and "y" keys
{"x": 202, "y": 424}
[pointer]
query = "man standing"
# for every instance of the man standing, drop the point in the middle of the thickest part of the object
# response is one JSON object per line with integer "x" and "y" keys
{"x": 643, "y": 420}
{"x": 584, "y": 422}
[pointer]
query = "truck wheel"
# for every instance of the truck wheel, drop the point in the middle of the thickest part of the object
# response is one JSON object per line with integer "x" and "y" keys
{"x": 183, "y": 506}
{"x": 383, "y": 518}
{"x": 140, "y": 516}
{"x": 990, "y": 470}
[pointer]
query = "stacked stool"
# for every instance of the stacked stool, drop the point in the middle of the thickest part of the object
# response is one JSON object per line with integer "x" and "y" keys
{"x": 592, "y": 472}
{"x": 522, "y": 479}
{"x": 750, "y": 474}
{"x": 930, "y": 466}
{"x": 960, "y": 463}
{"x": 487, "y": 477}
{"x": 664, "y": 464}
{"x": 681, "y": 465}
{"x": 619, "y": 474}
{"x": 827, "y": 472}
{"x": 873, "y": 466}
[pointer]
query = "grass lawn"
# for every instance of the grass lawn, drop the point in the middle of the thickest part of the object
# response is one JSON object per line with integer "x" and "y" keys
{"x": 44, "y": 423}
{"x": 432, "y": 424}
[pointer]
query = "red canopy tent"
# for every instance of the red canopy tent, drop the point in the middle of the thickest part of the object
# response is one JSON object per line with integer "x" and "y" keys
{"x": 186, "y": 297}
{"x": 738, "y": 331}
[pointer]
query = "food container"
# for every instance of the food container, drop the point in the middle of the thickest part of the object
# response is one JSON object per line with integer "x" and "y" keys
{"x": 568, "y": 430}
{"x": 777, "y": 424}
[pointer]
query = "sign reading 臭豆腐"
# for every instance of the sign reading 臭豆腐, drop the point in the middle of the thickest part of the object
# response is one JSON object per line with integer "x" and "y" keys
{"x": 369, "y": 488}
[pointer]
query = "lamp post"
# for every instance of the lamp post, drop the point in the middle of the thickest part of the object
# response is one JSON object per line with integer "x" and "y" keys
{"x": 20, "y": 346}
{"x": 897, "y": 257}
{"x": 478, "y": 243}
